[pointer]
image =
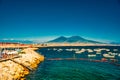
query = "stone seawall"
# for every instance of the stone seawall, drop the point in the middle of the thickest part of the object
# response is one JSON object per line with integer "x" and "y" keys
{"x": 17, "y": 68}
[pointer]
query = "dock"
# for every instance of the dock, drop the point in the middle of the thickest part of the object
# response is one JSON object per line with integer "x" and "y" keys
{"x": 8, "y": 58}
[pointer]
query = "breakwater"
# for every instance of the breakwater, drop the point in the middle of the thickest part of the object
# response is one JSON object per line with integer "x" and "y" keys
{"x": 16, "y": 68}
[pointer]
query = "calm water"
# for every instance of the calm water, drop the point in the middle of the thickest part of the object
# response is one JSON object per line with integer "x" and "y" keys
{"x": 75, "y": 69}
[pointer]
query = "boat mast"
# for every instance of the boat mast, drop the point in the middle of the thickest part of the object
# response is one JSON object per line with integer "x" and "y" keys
{"x": 74, "y": 56}
{"x": 0, "y": 52}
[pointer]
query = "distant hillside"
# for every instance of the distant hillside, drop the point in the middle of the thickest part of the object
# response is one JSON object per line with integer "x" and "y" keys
{"x": 115, "y": 43}
{"x": 72, "y": 39}
{"x": 18, "y": 41}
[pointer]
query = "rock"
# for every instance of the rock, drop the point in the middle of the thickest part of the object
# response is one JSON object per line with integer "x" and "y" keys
{"x": 14, "y": 70}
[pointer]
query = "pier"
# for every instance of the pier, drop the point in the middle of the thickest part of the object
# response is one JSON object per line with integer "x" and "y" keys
{"x": 8, "y": 58}
{"x": 84, "y": 59}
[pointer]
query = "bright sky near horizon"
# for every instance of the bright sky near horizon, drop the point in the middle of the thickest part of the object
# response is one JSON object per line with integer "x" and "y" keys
{"x": 94, "y": 19}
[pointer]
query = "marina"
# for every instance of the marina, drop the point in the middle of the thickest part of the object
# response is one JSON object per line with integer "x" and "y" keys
{"x": 67, "y": 64}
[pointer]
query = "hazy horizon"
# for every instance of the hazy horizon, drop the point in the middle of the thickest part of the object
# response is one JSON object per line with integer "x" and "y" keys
{"x": 48, "y": 19}
{"x": 45, "y": 39}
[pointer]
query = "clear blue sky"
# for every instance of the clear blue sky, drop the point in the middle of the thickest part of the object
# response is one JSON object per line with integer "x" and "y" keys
{"x": 97, "y": 19}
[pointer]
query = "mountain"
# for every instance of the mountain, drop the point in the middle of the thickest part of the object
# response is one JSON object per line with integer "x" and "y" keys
{"x": 115, "y": 43}
{"x": 59, "y": 39}
{"x": 72, "y": 39}
{"x": 18, "y": 41}
{"x": 75, "y": 39}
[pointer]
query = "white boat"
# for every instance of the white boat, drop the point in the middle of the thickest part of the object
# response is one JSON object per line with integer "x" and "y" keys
{"x": 89, "y": 50}
{"x": 69, "y": 49}
{"x": 113, "y": 54}
{"x": 119, "y": 54}
{"x": 60, "y": 50}
{"x": 91, "y": 55}
{"x": 108, "y": 56}
{"x": 115, "y": 49}
{"x": 101, "y": 49}
{"x": 54, "y": 49}
{"x": 12, "y": 52}
{"x": 78, "y": 52}
{"x": 98, "y": 53}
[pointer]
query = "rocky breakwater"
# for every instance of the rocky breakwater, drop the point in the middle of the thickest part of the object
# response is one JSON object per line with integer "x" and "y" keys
{"x": 17, "y": 68}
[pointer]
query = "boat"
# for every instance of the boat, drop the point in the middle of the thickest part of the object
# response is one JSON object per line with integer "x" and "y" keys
{"x": 89, "y": 50}
{"x": 91, "y": 55}
{"x": 108, "y": 56}
{"x": 12, "y": 52}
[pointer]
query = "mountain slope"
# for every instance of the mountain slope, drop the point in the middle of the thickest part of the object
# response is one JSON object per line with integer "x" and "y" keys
{"x": 75, "y": 39}
{"x": 59, "y": 39}
{"x": 72, "y": 39}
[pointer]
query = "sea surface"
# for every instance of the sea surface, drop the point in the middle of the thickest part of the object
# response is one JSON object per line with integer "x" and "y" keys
{"x": 63, "y": 63}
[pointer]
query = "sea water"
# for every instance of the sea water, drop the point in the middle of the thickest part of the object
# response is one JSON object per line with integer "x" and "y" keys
{"x": 74, "y": 69}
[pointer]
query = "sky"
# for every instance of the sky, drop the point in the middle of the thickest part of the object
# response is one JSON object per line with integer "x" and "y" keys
{"x": 46, "y": 19}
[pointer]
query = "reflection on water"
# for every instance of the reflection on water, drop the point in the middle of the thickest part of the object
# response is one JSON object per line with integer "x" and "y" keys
{"x": 90, "y": 63}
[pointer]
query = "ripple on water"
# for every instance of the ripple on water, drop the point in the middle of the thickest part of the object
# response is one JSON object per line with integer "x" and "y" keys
{"x": 73, "y": 70}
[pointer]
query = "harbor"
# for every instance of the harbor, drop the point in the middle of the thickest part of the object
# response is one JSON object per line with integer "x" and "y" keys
{"x": 19, "y": 60}
{"x": 59, "y": 40}
{"x": 63, "y": 63}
